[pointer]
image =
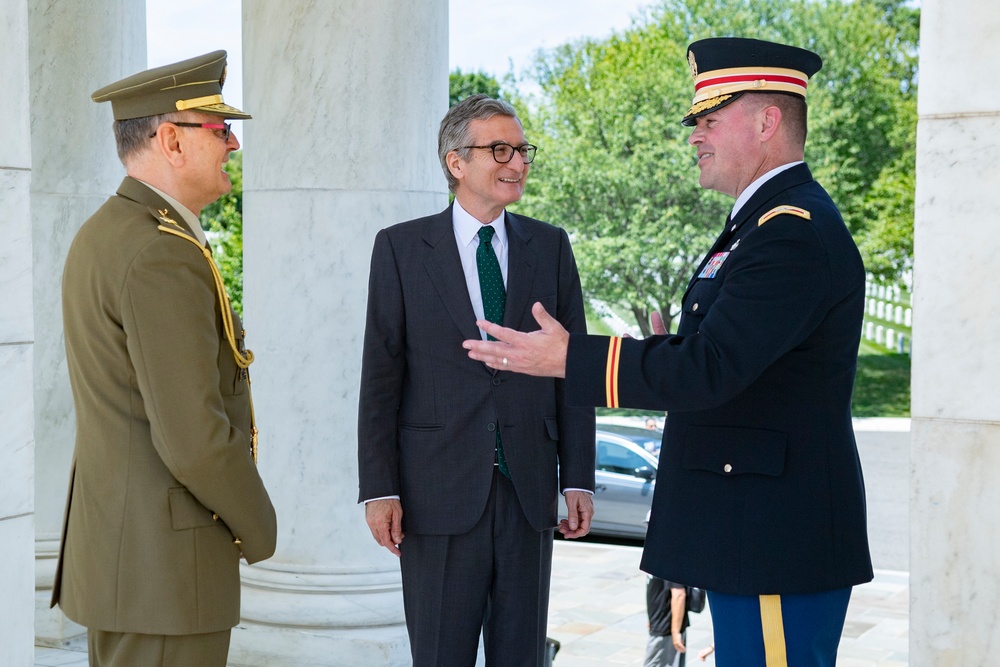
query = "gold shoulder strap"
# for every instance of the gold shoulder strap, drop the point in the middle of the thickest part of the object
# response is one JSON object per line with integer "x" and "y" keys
{"x": 784, "y": 210}
{"x": 243, "y": 360}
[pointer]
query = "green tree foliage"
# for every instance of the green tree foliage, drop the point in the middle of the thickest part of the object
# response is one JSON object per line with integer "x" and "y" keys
{"x": 465, "y": 84}
{"x": 223, "y": 221}
{"x": 614, "y": 167}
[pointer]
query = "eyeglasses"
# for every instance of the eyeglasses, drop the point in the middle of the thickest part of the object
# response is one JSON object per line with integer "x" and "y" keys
{"x": 504, "y": 152}
{"x": 222, "y": 130}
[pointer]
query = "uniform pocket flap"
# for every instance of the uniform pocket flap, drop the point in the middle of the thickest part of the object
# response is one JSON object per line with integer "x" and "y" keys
{"x": 186, "y": 512}
{"x": 735, "y": 451}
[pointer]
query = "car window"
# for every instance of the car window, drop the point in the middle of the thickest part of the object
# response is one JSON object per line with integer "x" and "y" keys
{"x": 612, "y": 457}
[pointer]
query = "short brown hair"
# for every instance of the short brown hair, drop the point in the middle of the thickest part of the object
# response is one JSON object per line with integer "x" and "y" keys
{"x": 793, "y": 111}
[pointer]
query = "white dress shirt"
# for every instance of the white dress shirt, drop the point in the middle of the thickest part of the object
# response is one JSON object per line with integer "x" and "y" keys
{"x": 467, "y": 236}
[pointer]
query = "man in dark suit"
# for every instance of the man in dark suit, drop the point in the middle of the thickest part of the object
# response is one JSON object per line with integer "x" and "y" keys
{"x": 469, "y": 460}
{"x": 759, "y": 468}
{"x": 164, "y": 495}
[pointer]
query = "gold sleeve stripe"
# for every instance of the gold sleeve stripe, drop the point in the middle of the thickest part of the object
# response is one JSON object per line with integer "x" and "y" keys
{"x": 784, "y": 210}
{"x": 614, "y": 353}
{"x": 773, "y": 630}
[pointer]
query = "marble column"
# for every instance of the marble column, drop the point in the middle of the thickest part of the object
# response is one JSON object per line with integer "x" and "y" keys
{"x": 75, "y": 48}
{"x": 16, "y": 343}
{"x": 955, "y": 542}
{"x": 347, "y": 98}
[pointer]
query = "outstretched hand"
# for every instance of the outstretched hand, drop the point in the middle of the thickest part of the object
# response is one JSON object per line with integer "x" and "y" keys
{"x": 541, "y": 352}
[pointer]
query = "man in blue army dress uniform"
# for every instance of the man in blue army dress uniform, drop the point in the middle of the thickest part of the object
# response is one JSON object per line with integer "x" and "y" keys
{"x": 164, "y": 495}
{"x": 759, "y": 467}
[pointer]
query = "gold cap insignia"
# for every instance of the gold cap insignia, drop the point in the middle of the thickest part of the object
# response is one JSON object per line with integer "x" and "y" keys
{"x": 693, "y": 64}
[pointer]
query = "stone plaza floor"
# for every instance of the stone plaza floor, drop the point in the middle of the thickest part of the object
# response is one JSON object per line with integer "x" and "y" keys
{"x": 597, "y": 613}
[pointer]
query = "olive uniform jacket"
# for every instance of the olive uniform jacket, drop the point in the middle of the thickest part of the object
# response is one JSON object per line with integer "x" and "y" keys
{"x": 759, "y": 470}
{"x": 428, "y": 414}
{"x": 162, "y": 479}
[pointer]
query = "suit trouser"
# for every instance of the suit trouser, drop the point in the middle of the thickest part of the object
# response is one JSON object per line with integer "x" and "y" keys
{"x": 127, "y": 649}
{"x": 495, "y": 578}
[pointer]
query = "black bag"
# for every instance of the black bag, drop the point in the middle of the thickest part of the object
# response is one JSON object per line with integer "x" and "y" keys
{"x": 695, "y": 600}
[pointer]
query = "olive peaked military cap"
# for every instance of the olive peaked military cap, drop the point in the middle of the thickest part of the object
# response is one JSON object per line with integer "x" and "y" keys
{"x": 190, "y": 84}
{"x": 724, "y": 68}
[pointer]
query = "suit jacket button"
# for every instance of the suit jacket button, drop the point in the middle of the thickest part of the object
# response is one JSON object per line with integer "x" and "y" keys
{"x": 491, "y": 427}
{"x": 727, "y": 468}
{"x": 694, "y": 307}
{"x": 496, "y": 382}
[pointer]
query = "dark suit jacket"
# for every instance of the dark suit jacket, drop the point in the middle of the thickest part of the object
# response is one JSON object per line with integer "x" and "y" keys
{"x": 759, "y": 471}
{"x": 162, "y": 432}
{"x": 428, "y": 413}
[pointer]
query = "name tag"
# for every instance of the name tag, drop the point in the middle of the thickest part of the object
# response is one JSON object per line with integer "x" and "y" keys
{"x": 714, "y": 264}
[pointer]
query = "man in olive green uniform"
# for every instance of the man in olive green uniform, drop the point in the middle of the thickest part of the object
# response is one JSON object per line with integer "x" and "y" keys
{"x": 164, "y": 492}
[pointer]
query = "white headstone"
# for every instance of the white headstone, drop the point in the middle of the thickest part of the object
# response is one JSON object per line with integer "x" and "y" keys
{"x": 890, "y": 338}
{"x": 908, "y": 317}
{"x": 880, "y": 310}
{"x": 898, "y": 319}
{"x": 879, "y": 334}
{"x": 869, "y": 331}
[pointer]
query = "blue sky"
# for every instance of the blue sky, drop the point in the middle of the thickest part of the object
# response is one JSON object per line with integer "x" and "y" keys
{"x": 172, "y": 35}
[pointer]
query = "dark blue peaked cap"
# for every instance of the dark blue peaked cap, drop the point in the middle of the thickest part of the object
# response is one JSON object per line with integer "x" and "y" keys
{"x": 724, "y": 68}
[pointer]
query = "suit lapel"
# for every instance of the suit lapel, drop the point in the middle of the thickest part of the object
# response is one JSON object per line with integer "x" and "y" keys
{"x": 444, "y": 267}
{"x": 520, "y": 273}
{"x": 719, "y": 243}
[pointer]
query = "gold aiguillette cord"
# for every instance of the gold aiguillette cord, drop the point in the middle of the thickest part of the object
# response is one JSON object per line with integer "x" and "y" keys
{"x": 243, "y": 360}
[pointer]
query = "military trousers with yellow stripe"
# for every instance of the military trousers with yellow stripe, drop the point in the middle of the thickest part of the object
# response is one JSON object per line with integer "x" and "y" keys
{"x": 778, "y": 630}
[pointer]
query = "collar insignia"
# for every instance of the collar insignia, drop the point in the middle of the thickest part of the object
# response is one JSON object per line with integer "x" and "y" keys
{"x": 163, "y": 217}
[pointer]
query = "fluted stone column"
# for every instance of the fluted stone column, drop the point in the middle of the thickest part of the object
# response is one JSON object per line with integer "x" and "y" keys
{"x": 955, "y": 542}
{"x": 75, "y": 48}
{"x": 346, "y": 98}
{"x": 16, "y": 348}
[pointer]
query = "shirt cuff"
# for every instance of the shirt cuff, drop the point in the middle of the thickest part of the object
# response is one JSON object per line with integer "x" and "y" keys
{"x": 382, "y": 498}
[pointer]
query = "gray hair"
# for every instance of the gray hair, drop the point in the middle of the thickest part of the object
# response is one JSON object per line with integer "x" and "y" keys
{"x": 132, "y": 135}
{"x": 454, "y": 132}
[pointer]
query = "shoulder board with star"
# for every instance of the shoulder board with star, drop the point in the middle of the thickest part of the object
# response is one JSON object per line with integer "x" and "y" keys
{"x": 784, "y": 210}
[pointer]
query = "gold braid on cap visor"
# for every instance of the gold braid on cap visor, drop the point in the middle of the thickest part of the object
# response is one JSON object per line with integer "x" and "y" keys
{"x": 242, "y": 360}
{"x": 707, "y": 104}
